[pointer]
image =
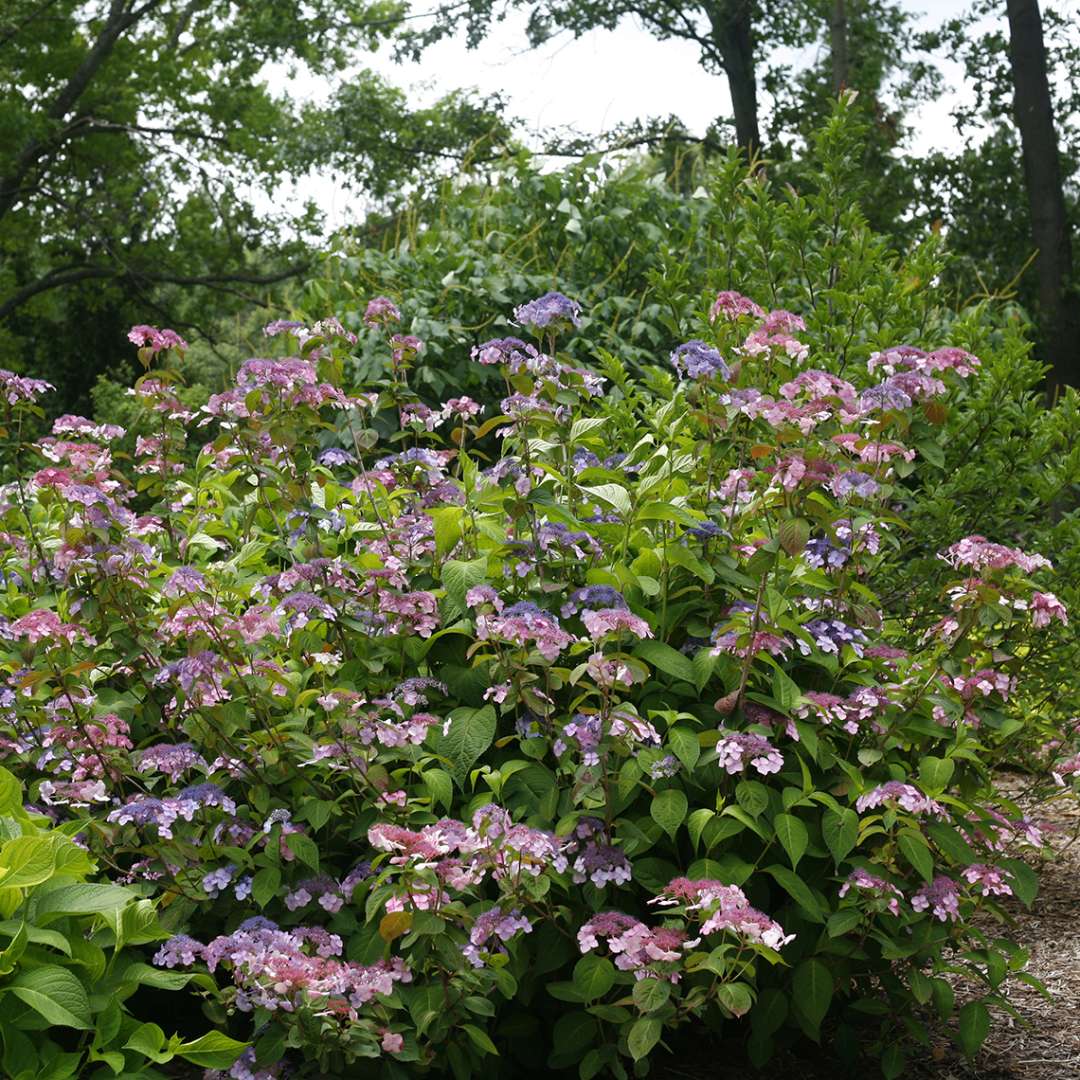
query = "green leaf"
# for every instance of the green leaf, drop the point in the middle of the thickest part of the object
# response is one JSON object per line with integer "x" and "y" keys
{"x": 798, "y": 890}
{"x": 735, "y": 997}
{"x": 893, "y": 1062}
{"x": 447, "y": 521}
{"x": 644, "y": 1035}
{"x": 793, "y": 534}
{"x": 11, "y": 801}
{"x": 793, "y": 837}
{"x": 304, "y": 848}
{"x": 770, "y": 1012}
{"x": 651, "y": 994}
{"x": 594, "y": 976}
{"x": 685, "y": 745}
{"x": 82, "y": 900}
{"x": 843, "y": 921}
{"x": 785, "y": 691}
{"x": 214, "y": 1050}
{"x": 951, "y": 843}
{"x": 470, "y": 733}
{"x": 974, "y": 1020}
{"x": 668, "y": 810}
{"x": 459, "y": 577}
{"x": 148, "y": 1040}
{"x": 915, "y": 849}
{"x": 668, "y": 660}
{"x": 28, "y": 860}
{"x": 704, "y": 664}
{"x": 480, "y": 1039}
{"x": 840, "y": 831}
{"x": 265, "y": 885}
{"x": 1025, "y": 882}
{"x": 56, "y": 994}
{"x": 812, "y": 989}
{"x": 935, "y": 774}
{"x": 440, "y": 787}
{"x": 696, "y": 822}
{"x": 752, "y": 796}
{"x": 612, "y": 494}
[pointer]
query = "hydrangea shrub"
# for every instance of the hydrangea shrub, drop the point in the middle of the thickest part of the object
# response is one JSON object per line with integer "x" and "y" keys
{"x": 563, "y": 726}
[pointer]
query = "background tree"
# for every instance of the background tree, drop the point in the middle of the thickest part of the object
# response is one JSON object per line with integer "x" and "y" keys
{"x": 144, "y": 143}
{"x": 985, "y": 194}
{"x": 733, "y": 36}
{"x": 1050, "y": 230}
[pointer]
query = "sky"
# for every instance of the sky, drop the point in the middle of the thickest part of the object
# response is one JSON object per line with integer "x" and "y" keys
{"x": 595, "y": 82}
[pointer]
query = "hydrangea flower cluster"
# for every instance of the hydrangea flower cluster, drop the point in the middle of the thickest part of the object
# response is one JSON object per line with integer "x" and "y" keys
{"x": 378, "y": 694}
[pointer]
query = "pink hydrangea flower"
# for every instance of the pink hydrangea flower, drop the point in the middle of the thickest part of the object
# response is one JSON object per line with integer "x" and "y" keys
{"x": 896, "y": 793}
{"x": 941, "y": 897}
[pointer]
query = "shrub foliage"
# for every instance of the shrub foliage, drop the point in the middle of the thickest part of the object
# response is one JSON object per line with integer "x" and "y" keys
{"x": 449, "y": 735}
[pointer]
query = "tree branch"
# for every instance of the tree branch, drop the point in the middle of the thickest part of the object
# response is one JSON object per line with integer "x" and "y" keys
{"x": 121, "y": 18}
{"x": 72, "y": 275}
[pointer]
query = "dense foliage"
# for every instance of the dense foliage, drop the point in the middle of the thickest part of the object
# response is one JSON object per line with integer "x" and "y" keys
{"x": 69, "y": 962}
{"x": 143, "y": 146}
{"x": 551, "y": 730}
{"x": 642, "y": 252}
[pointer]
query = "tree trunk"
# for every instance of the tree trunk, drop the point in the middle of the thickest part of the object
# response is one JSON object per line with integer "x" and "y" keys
{"x": 1046, "y": 198}
{"x": 733, "y": 33}
{"x": 838, "y": 45}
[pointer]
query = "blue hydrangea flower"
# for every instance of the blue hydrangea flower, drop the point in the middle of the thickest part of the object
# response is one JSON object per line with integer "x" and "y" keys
{"x": 696, "y": 360}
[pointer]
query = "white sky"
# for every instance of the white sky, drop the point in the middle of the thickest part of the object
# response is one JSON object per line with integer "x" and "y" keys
{"x": 595, "y": 82}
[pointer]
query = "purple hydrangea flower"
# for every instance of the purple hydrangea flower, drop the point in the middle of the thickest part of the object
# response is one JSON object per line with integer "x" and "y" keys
{"x": 696, "y": 360}
{"x": 552, "y": 310}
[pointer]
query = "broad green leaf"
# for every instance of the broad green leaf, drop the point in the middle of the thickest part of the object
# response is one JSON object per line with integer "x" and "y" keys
{"x": 843, "y": 921}
{"x": 951, "y": 843}
{"x": 470, "y": 733}
{"x": 696, "y": 822}
{"x": 935, "y": 774}
{"x": 793, "y": 837}
{"x": 651, "y": 994}
{"x": 594, "y": 976}
{"x": 668, "y": 810}
{"x": 88, "y": 899}
{"x": 480, "y": 1039}
{"x": 149, "y": 1040}
{"x": 812, "y": 989}
{"x": 917, "y": 852}
{"x": 840, "y": 831}
{"x": 214, "y": 1050}
{"x": 752, "y": 796}
{"x": 784, "y": 689}
{"x": 735, "y": 997}
{"x": 304, "y": 848}
{"x": 798, "y": 890}
{"x": 974, "y": 1020}
{"x": 56, "y": 994}
{"x": 613, "y": 494}
{"x": 685, "y": 745}
{"x": 644, "y": 1035}
{"x": 670, "y": 661}
{"x": 459, "y": 577}
{"x": 265, "y": 885}
{"x": 28, "y": 860}
{"x": 1025, "y": 882}
{"x": 440, "y": 787}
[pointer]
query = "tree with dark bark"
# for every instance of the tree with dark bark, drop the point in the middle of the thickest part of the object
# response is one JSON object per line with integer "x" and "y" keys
{"x": 730, "y": 35}
{"x": 144, "y": 145}
{"x": 1050, "y": 229}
